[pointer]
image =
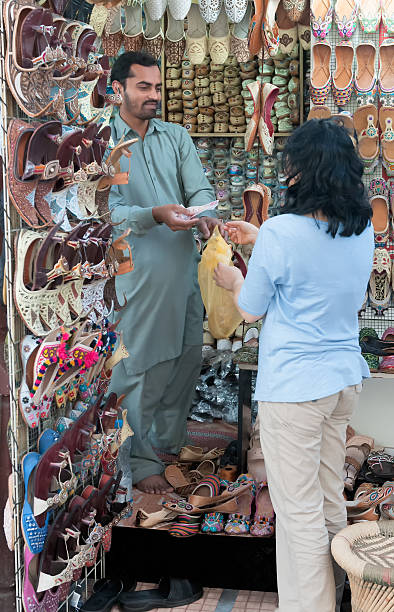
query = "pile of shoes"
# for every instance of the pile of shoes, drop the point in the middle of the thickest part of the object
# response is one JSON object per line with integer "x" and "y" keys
{"x": 63, "y": 172}
{"x": 171, "y": 592}
{"x": 370, "y": 472}
{"x": 381, "y": 282}
{"x": 284, "y": 73}
{"x": 230, "y": 170}
{"x": 373, "y": 348}
{"x": 60, "y": 542}
{"x": 53, "y": 66}
{"x": 211, "y": 97}
{"x": 173, "y": 87}
{"x": 277, "y": 25}
{"x": 242, "y": 346}
{"x": 212, "y": 502}
{"x": 64, "y": 260}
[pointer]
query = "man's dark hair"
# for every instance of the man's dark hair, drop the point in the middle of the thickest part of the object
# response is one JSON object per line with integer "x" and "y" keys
{"x": 121, "y": 68}
{"x": 324, "y": 173}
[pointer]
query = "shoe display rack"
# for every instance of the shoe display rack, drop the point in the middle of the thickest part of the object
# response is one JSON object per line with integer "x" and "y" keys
{"x": 53, "y": 436}
{"x": 350, "y": 64}
{"x": 227, "y": 166}
{"x": 243, "y": 74}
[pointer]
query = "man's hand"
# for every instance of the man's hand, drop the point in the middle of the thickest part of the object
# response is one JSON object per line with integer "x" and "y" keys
{"x": 228, "y": 277}
{"x": 169, "y": 214}
{"x": 241, "y": 232}
{"x": 206, "y": 225}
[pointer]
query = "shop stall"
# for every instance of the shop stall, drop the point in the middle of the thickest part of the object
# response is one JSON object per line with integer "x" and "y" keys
{"x": 68, "y": 437}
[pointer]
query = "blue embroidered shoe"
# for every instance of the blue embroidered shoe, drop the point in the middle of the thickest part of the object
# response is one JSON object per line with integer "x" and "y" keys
{"x": 33, "y": 535}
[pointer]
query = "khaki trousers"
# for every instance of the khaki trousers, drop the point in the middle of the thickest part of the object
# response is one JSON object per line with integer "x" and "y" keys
{"x": 304, "y": 450}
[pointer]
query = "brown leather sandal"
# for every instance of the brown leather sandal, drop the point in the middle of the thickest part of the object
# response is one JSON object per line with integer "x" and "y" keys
{"x": 22, "y": 191}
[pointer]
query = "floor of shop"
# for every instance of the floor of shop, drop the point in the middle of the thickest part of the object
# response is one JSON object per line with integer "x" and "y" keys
{"x": 222, "y": 600}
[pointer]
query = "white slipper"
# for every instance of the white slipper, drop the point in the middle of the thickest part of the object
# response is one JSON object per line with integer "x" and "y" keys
{"x": 210, "y": 9}
{"x": 155, "y": 8}
{"x": 235, "y": 9}
{"x": 196, "y": 37}
{"x": 219, "y": 39}
{"x": 239, "y": 39}
{"x": 179, "y": 8}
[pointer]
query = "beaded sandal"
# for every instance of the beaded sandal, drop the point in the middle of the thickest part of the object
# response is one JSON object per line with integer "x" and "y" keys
{"x": 251, "y": 130}
{"x": 345, "y": 15}
{"x": 380, "y": 281}
{"x": 320, "y": 72}
{"x": 321, "y": 18}
{"x": 263, "y": 521}
{"x": 28, "y": 348}
{"x": 213, "y": 522}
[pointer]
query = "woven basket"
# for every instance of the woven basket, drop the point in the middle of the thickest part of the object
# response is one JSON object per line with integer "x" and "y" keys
{"x": 366, "y": 552}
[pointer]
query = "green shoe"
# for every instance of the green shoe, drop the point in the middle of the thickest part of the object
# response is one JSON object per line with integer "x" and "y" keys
{"x": 267, "y": 69}
{"x": 371, "y": 359}
{"x": 283, "y": 72}
{"x": 285, "y": 125}
{"x": 294, "y": 85}
{"x": 283, "y": 112}
{"x": 246, "y": 354}
{"x": 279, "y": 81}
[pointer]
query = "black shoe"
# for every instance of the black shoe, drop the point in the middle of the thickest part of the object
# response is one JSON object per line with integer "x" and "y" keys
{"x": 230, "y": 456}
{"x": 105, "y": 594}
{"x": 172, "y": 592}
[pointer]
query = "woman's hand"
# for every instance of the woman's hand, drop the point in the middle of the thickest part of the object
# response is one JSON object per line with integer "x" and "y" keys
{"x": 241, "y": 232}
{"x": 227, "y": 277}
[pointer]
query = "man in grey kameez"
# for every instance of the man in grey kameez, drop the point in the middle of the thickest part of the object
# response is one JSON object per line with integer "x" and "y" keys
{"x": 162, "y": 322}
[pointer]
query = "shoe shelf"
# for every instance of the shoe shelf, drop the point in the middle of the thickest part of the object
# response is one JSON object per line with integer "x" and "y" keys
{"x": 381, "y": 375}
{"x": 228, "y": 135}
{"x": 165, "y": 98}
{"x": 20, "y": 438}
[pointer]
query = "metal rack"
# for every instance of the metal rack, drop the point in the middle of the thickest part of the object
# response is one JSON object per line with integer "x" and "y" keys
{"x": 367, "y": 318}
{"x": 21, "y": 439}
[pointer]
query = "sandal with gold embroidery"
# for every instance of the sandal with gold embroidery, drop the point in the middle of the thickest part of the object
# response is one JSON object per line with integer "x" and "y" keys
{"x": 365, "y": 121}
{"x": 386, "y": 116}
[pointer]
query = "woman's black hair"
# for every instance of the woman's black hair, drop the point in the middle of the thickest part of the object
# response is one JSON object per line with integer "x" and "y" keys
{"x": 324, "y": 174}
{"x": 121, "y": 68}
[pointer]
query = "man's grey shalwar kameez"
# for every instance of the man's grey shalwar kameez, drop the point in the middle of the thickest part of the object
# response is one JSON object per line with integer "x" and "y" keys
{"x": 162, "y": 322}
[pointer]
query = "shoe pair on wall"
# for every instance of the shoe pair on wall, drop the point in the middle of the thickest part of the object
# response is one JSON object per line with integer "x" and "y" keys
{"x": 345, "y": 14}
{"x": 365, "y": 81}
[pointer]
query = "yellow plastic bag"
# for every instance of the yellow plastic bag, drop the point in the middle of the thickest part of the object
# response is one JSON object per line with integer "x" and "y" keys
{"x": 223, "y": 317}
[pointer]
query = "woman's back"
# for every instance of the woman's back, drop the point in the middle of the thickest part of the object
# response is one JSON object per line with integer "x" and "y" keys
{"x": 311, "y": 286}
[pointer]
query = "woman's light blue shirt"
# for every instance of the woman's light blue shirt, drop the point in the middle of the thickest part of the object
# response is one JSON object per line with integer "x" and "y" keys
{"x": 310, "y": 286}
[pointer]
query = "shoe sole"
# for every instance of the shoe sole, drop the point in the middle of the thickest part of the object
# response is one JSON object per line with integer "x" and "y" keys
{"x": 159, "y": 603}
